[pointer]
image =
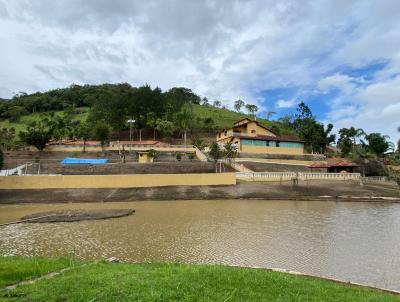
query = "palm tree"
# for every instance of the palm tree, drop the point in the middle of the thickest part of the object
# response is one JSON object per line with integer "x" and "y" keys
{"x": 270, "y": 114}
{"x": 252, "y": 109}
{"x": 238, "y": 105}
{"x": 185, "y": 120}
{"x": 217, "y": 103}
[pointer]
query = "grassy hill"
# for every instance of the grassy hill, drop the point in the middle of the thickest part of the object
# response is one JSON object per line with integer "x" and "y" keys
{"x": 26, "y": 119}
{"x": 223, "y": 118}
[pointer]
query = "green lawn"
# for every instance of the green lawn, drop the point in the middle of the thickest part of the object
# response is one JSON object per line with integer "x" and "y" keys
{"x": 223, "y": 118}
{"x": 181, "y": 282}
{"x": 16, "y": 269}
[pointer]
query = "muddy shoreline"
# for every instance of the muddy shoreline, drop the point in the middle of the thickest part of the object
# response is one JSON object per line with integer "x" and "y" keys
{"x": 315, "y": 190}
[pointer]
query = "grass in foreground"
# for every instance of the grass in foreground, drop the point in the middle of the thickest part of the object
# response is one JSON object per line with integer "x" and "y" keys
{"x": 181, "y": 282}
{"x": 17, "y": 269}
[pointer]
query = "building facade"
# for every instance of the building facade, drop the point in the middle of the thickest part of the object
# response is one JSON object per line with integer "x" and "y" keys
{"x": 252, "y": 137}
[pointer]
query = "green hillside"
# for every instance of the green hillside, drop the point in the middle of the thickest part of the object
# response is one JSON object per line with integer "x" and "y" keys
{"x": 26, "y": 119}
{"x": 223, "y": 118}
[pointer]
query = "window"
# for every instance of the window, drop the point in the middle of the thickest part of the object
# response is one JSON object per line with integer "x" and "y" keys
{"x": 226, "y": 133}
{"x": 267, "y": 143}
{"x": 219, "y": 135}
{"x": 253, "y": 131}
{"x": 278, "y": 144}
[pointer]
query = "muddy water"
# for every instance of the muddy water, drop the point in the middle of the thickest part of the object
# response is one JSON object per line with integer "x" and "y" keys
{"x": 351, "y": 241}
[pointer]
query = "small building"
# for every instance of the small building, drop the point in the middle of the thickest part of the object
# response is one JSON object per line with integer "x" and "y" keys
{"x": 144, "y": 157}
{"x": 335, "y": 165}
{"x": 251, "y": 137}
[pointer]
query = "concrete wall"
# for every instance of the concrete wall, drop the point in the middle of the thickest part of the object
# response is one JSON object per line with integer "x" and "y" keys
{"x": 270, "y": 150}
{"x": 115, "y": 181}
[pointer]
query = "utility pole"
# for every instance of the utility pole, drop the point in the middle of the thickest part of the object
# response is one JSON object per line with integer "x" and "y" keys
{"x": 130, "y": 121}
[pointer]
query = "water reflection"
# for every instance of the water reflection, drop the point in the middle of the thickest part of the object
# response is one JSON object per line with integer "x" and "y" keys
{"x": 352, "y": 241}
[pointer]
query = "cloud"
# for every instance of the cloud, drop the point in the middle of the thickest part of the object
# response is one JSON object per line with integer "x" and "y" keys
{"x": 342, "y": 82}
{"x": 286, "y": 103}
{"x": 222, "y": 49}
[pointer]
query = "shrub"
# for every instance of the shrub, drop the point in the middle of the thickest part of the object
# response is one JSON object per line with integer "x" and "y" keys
{"x": 178, "y": 157}
{"x": 152, "y": 153}
{"x": 191, "y": 156}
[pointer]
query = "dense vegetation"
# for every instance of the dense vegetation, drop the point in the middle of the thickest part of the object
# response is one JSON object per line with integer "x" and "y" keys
{"x": 95, "y": 111}
{"x": 170, "y": 282}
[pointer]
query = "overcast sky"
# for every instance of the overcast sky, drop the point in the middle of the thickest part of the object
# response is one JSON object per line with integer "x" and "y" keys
{"x": 341, "y": 57}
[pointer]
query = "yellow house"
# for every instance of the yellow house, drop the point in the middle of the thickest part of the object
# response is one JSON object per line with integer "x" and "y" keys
{"x": 252, "y": 137}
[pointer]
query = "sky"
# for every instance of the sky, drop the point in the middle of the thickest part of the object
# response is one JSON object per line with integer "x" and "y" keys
{"x": 340, "y": 57}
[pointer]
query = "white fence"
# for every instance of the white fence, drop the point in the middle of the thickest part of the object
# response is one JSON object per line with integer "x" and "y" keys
{"x": 279, "y": 176}
{"x": 15, "y": 171}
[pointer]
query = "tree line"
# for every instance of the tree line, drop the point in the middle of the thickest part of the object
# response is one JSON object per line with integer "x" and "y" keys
{"x": 111, "y": 105}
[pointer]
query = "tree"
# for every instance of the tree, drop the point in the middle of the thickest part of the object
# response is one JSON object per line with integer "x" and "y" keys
{"x": 37, "y": 134}
{"x": 60, "y": 125}
{"x": 313, "y": 133}
{"x": 101, "y": 132}
{"x": 377, "y": 143}
{"x": 205, "y": 101}
{"x": 269, "y": 114}
{"x": 15, "y": 113}
{"x": 238, "y": 105}
{"x": 345, "y": 143}
{"x": 252, "y": 109}
{"x": 217, "y": 104}
{"x": 7, "y": 136}
{"x": 215, "y": 152}
{"x": 199, "y": 144}
{"x": 83, "y": 132}
{"x": 151, "y": 120}
{"x": 165, "y": 127}
{"x": 230, "y": 150}
{"x": 185, "y": 120}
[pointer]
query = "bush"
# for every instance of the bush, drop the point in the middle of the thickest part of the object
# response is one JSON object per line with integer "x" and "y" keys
{"x": 152, "y": 153}
{"x": 199, "y": 143}
{"x": 191, "y": 156}
{"x": 178, "y": 157}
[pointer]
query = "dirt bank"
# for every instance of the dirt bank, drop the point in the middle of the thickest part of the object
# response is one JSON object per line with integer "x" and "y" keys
{"x": 76, "y": 215}
{"x": 313, "y": 190}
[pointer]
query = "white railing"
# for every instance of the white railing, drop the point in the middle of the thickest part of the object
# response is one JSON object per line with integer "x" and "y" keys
{"x": 200, "y": 155}
{"x": 341, "y": 176}
{"x": 294, "y": 175}
{"x": 266, "y": 175}
{"x": 235, "y": 165}
{"x": 375, "y": 178}
{"x": 18, "y": 170}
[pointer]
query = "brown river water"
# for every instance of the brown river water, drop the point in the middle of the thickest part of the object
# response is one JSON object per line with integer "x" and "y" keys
{"x": 353, "y": 241}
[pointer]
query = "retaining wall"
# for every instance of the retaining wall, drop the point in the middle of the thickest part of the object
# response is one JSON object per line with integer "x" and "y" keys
{"x": 115, "y": 181}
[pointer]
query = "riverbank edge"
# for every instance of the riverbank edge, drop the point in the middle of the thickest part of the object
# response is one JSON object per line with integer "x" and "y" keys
{"x": 318, "y": 190}
{"x": 48, "y": 275}
{"x": 303, "y": 198}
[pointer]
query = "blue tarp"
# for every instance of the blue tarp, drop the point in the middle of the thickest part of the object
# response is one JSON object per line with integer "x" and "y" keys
{"x": 84, "y": 161}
